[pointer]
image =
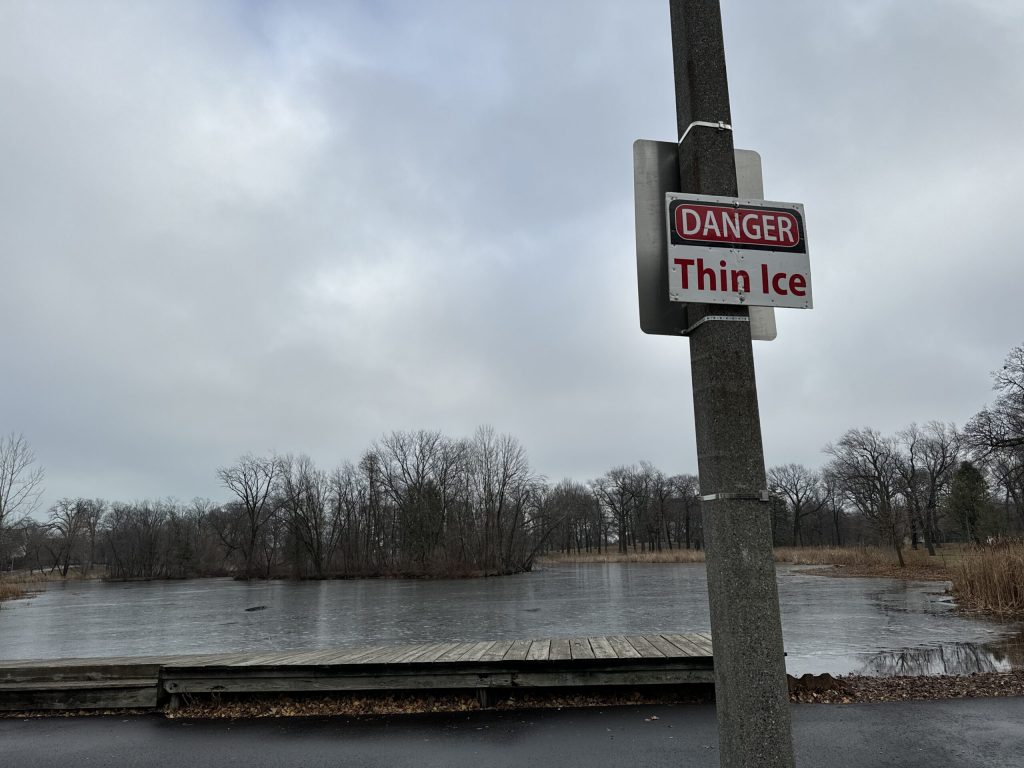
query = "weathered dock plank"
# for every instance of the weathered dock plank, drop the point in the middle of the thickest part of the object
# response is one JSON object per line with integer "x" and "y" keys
{"x": 559, "y": 649}
{"x": 482, "y": 665}
{"x": 477, "y": 652}
{"x": 622, "y": 647}
{"x": 199, "y": 660}
{"x": 497, "y": 650}
{"x": 539, "y": 650}
{"x": 455, "y": 652}
{"x": 686, "y": 645}
{"x": 518, "y": 650}
{"x": 644, "y": 648}
{"x": 410, "y": 652}
{"x": 602, "y": 648}
{"x": 430, "y": 652}
{"x": 310, "y": 658}
{"x": 706, "y": 637}
{"x": 347, "y": 655}
{"x": 579, "y": 648}
{"x": 662, "y": 645}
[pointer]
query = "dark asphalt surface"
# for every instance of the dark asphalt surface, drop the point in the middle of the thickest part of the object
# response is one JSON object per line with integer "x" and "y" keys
{"x": 932, "y": 734}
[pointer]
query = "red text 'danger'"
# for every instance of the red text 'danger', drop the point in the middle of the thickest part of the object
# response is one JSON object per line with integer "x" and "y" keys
{"x": 742, "y": 226}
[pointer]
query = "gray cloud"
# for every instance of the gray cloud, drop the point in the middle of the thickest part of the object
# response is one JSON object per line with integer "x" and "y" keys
{"x": 240, "y": 226}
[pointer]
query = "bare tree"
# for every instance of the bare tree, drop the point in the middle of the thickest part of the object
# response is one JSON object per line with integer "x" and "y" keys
{"x": 137, "y": 538}
{"x": 406, "y": 461}
{"x": 312, "y": 519}
{"x": 91, "y": 511}
{"x": 184, "y": 539}
{"x": 356, "y": 501}
{"x": 644, "y": 521}
{"x": 572, "y": 510}
{"x": 253, "y": 480}
{"x": 864, "y": 462}
{"x": 21, "y": 482}
{"x": 801, "y": 489}
{"x": 501, "y": 482}
{"x": 996, "y": 434}
{"x": 1007, "y": 468}
{"x": 35, "y": 537}
{"x": 831, "y": 486}
{"x": 686, "y": 500}
{"x": 67, "y": 523}
{"x": 614, "y": 489}
{"x": 926, "y": 460}
{"x": 1002, "y": 424}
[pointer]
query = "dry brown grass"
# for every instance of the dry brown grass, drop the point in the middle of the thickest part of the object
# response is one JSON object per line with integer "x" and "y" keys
{"x": 991, "y": 578}
{"x": 862, "y": 557}
{"x": 874, "y": 561}
{"x": 11, "y": 591}
{"x": 21, "y": 584}
{"x": 665, "y": 556}
{"x": 24, "y": 577}
{"x": 834, "y": 561}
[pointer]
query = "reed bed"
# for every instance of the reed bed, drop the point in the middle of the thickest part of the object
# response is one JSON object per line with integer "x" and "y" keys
{"x": 874, "y": 561}
{"x": 991, "y": 578}
{"x": 852, "y": 556}
{"x": 664, "y": 556}
{"x": 22, "y": 584}
{"x": 11, "y": 591}
{"x": 861, "y": 557}
{"x": 833, "y": 561}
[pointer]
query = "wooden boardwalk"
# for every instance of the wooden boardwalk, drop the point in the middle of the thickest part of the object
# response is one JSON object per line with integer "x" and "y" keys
{"x": 152, "y": 681}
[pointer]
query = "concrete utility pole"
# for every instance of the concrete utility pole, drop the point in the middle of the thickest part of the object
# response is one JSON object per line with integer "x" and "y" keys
{"x": 750, "y": 673}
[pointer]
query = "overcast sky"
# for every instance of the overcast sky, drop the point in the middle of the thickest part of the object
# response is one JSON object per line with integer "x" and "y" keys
{"x": 296, "y": 226}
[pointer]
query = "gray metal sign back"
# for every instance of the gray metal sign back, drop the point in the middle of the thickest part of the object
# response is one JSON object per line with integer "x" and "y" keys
{"x": 655, "y": 173}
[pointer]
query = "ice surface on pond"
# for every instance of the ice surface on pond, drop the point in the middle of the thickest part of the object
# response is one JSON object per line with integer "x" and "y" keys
{"x": 837, "y": 625}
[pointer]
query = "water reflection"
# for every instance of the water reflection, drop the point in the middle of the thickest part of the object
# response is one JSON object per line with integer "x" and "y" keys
{"x": 951, "y": 659}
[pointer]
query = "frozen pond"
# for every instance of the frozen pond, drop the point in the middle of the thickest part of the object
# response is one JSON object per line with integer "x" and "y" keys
{"x": 837, "y": 625}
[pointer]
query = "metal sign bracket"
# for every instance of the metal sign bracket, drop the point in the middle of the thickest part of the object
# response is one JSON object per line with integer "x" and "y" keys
{"x": 723, "y": 318}
{"x": 749, "y": 496}
{"x": 720, "y": 125}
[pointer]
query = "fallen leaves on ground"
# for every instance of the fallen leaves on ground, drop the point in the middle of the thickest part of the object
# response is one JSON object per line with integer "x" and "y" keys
{"x": 857, "y": 689}
{"x": 852, "y": 689}
{"x": 821, "y": 689}
{"x": 214, "y": 708}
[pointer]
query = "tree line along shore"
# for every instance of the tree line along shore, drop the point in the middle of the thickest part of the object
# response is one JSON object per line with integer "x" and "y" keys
{"x": 422, "y": 504}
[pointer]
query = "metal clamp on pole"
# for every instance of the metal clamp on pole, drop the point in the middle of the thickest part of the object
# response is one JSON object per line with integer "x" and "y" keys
{"x": 761, "y": 495}
{"x": 723, "y": 318}
{"x": 721, "y": 125}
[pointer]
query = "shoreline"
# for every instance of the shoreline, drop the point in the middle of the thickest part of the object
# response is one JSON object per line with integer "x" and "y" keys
{"x": 854, "y": 563}
{"x": 820, "y": 689}
{"x": 830, "y": 562}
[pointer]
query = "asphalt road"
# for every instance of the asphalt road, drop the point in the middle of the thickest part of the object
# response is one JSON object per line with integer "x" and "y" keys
{"x": 932, "y": 734}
